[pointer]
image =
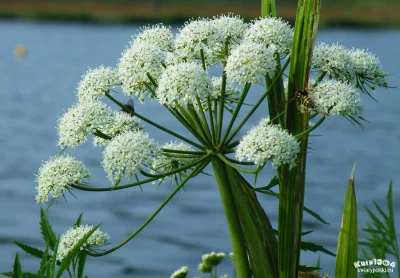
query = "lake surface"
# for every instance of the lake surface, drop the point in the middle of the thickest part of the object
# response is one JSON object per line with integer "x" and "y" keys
{"x": 35, "y": 91}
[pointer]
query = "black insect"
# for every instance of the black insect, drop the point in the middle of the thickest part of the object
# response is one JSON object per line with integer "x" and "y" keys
{"x": 304, "y": 99}
{"x": 129, "y": 105}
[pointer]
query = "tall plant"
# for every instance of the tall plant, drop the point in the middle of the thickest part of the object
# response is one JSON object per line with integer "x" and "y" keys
{"x": 175, "y": 71}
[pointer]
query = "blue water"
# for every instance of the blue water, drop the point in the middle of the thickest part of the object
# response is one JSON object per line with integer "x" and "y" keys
{"x": 36, "y": 89}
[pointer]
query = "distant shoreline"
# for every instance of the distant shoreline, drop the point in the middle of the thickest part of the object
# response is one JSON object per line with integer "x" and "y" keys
{"x": 149, "y": 13}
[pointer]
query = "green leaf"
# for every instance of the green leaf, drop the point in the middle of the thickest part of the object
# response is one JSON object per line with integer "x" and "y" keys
{"x": 30, "y": 250}
{"x": 46, "y": 229}
{"x": 261, "y": 242}
{"x": 78, "y": 221}
{"x": 7, "y": 274}
{"x": 310, "y": 246}
{"x": 315, "y": 215}
{"x": 307, "y": 268}
{"x": 81, "y": 263}
{"x": 74, "y": 251}
{"x": 347, "y": 252}
{"x": 17, "y": 271}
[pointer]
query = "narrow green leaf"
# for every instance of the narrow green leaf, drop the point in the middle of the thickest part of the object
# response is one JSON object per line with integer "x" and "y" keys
{"x": 347, "y": 252}
{"x": 307, "y": 268}
{"x": 310, "y": 246}
{"x": 30, "y": 250}
{"x": 376, "y": 221}
{"x": 74, "y": 251}
{"x": 315, "y": 215}
{"x": 17, "y": 271}
{"x": 7, "y": 274}
{"x": 81, "y": 263}
{"x": 78, "y": 221}
{"x": 46, "y": 229}
{"x": 30, "y": 275}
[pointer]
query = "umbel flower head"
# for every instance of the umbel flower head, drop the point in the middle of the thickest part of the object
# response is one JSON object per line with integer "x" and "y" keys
{"x": 180, "y": 84}
{"x": 56, "y": 174}
{"x": 249, "y": 62}
{"x": 164, "y": 163}
{"x": 81, "y": 120}
{"x": 127, "y": 153}
{"x": 231, "y": 27}
{"x": 96, "y": 82}
{"x": 197, "y": 35}
{"x": 136, "y": 64}
{"x": 157, "y": 35}
{"x": 268, "y": 142}
{"x": 333, "y": 97}
{"x": 271, "y": 31}
{"x": 69, "y": 240}
{"x": 122, "y": 122}
{"x": 180, "y": 273}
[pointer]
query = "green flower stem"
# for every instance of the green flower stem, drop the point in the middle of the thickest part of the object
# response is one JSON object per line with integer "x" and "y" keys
{"x": 183, "y": 152}
{"x": 240, "y": 162}
{"x": 204, "y": 119}
{"x": 216, "y": 119}
{"x": 268, "y": 8}
{"x": 199, "y": 126}
{"x": 153, "y": 123}
{"x": 181, "y": 155}
{"x": 223, "y": 91}
{"x": 292, "y": 181}
{"x": 194, "y": 126}
{"x": 232, "y": 218}
{"x": 306, "y": 132}
{"x": 199, "y": 168}
{"x": 212, "y": 127}
{"x": 246, "y": 89}
{"x": 258, "y": 103}
{"x": 100, "y": 134}
{"x": 203, "y": 60}
{"x": 226, "y": 161}
{"x": 319, "y": 78}
{"x": 277, "y": 97}
{"x": 152, "y": 80}
{"x": 119, "y": 187}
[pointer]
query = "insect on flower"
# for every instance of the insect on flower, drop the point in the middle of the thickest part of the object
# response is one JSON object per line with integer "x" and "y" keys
{"x": 129, "y": 105}
{"x": 303, "y": 98}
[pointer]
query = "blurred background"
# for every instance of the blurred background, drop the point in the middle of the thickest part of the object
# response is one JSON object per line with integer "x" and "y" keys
{"x": 46, "y": 46}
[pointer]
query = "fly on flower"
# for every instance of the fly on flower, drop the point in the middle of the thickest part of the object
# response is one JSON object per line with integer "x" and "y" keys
{"x": 130, "y": 105}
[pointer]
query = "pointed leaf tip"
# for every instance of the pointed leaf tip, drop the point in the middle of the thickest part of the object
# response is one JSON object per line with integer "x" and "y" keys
{"x": 352, "y": 172}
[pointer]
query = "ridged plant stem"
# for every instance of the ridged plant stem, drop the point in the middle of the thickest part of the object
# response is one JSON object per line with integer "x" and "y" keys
{"x": 232, "y": 218}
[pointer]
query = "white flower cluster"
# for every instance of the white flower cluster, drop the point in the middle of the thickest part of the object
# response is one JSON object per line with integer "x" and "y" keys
{"x": 126, "y": 153}
{"x": 348, "y": 64}
{"x": 96, "y": 82}
{"x": 69, "y": 240}
{"x": 56, "y": 174}
{"x": 163, "y": 163}
{"x": 249, "y": 62}
{"x": 136, "y": 63}
{"x": 180, "y": 84}
{"x": 81, "y": 120}
{"x": 209, "y": 261}
{"x": 268, "y": 142}
{"x": 272, "y": 32}
{"x": 157, "y": 35}
{"x": 180, "y": 273}
{"x": 195, "y": 36}
{"x": 122, "y": 122}
{"x": 333, "y": 97}
{"x": 232, "y": 28}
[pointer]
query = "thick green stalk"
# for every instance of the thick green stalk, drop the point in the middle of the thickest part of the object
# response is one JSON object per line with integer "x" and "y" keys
{"x": 292, "y": 182}
{"x": 268, "y": 8}
{"x": 232, "y": 218}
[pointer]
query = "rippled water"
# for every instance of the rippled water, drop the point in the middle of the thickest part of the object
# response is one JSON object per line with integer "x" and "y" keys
{"x": 36, "y": 89}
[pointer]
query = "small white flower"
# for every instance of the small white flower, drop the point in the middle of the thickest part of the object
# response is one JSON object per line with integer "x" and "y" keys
{"x": 333, "y": 97}
{"x": 136, "y": 63}
{"x": 232, "y": 27}
{"x": 249, "y": 62}
{"x": 126, "y": 153}
{"x": 122, "y": 122}
{"x": 69, "y": 240}
{"x": 212, "y": 259}
{"x": 157, "y": 35}
{"x": 164, "y": 163}
{"x": 180, "y": 84}
{"x": 96, "y": 82}
{"x": 56, "y": 174}
{"x": 271, "y": 31}
{"x": 366, "y": 66}
{"x": 81, "y": 120}
{"x": 195, "y": 36}
{"x": 333, "y": 59}
{"x": 180, "y": 273}
{"x": 268, "y": 142}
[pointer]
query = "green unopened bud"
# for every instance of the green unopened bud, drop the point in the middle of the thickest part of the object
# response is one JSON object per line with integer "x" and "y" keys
{"x": 180, "y": 273}
{"x": 205, "y": 268}
{"x": 213, "y": 259}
